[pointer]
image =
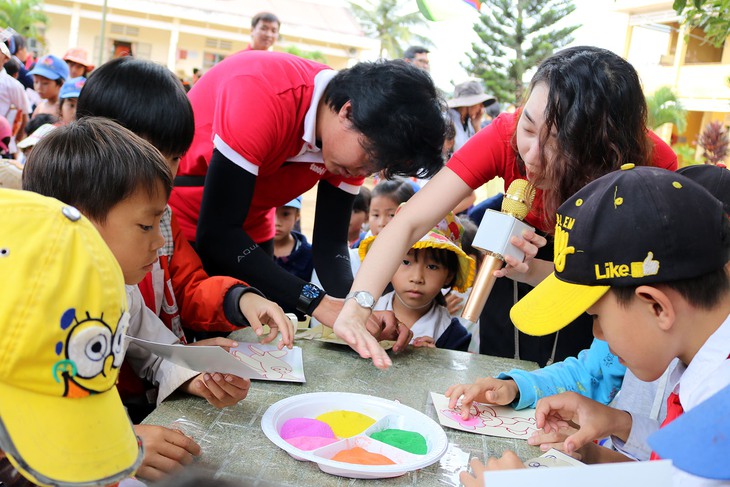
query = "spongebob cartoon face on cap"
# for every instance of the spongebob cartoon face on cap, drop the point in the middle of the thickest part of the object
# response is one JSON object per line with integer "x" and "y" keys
{"x": 63, "y": 320}
{"x": 93, "y": 351}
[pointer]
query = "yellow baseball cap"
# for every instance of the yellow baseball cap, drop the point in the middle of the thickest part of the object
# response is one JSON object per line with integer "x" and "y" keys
{"x": 63, "y": 316}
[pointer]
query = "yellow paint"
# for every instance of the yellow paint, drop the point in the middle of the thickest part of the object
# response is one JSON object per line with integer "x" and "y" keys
{"x": 346, "y": 424}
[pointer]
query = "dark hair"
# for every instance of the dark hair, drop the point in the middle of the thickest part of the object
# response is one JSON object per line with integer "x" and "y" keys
{"x": 12, "y": 67}
{"x": 94, "y": 164}
{"x": 38, "y": 120}
{"x": 362, "y": 200}
{"x": 467, "y": 237}
{"x": 16, "y": 43}
{"x": 450, "y": 130}
{"x": 397, "y": 108}
{"x": 264, "y": 17}
{"x": 445, "y": 258}
{"x": 703, "y": 292}
{"x": 413, "y": 50}
{"x": 493, "y": 109}
{"x": 597, "y": 108}
{"x": 143, "y": 96}
{"x": 398, "y": 189}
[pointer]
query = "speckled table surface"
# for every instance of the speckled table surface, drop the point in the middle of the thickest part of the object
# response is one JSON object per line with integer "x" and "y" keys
{"x": 235, "y": 447}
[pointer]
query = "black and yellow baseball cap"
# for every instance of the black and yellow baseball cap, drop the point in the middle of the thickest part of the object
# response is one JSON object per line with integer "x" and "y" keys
{"x": 634, "y": 226}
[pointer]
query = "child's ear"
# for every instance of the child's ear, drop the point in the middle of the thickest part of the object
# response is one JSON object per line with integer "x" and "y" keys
{"x": 345, "y": 112}
{"x": 658, "y": 304}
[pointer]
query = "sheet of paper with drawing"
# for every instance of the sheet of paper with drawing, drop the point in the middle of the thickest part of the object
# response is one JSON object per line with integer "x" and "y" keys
{"x": 553, "y": 458}
{"x": 486, "y": 419}
{"x": 249, "y": 360}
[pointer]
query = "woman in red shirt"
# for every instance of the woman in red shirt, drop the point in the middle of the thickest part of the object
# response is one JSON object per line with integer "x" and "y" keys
{"x": 585, "y": 116}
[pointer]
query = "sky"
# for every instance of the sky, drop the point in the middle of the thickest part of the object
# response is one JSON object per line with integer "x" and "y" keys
{"x": 453, "y": 38}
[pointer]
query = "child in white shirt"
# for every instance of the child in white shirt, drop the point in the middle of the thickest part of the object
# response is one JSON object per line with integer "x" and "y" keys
{"x": 435, "y": 262}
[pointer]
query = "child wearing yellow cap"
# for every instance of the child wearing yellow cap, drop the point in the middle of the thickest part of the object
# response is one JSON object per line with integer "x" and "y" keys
{"x": 434, "y": 263}
{"x": 121, "y": 183}
{"x": 63, "y": 316}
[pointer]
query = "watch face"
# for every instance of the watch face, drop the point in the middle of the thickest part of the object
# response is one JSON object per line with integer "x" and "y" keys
{"x": 311, "y": 291}
{"x": 365, "y": 300}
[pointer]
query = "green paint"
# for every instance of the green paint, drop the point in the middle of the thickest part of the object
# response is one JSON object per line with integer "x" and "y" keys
{"x": 409, "y": 441}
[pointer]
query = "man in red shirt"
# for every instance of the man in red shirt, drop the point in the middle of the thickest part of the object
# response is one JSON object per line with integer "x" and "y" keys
{"x": 264, "y": 31}
{"x": 269, "y": 126}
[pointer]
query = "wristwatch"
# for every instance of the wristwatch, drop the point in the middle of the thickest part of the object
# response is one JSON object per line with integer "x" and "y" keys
{"x": 363, "y": 298}
{"x": 309, "y": 298}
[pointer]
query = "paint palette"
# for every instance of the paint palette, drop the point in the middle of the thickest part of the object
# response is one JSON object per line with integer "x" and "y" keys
{"x": 388, "y": 415}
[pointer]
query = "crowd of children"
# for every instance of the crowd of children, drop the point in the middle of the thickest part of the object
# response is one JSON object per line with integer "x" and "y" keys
{"x": 99, "y": 158}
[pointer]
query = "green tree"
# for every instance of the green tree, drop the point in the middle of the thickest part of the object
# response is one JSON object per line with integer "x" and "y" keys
{"x": 313, "y": 55}
{"x": 386, "y": 20}
{"x": 663, "y": 107}
{"x": 712, "y": 16}
{"x": 24, "y": 16}
{"x": 515, "y": 36}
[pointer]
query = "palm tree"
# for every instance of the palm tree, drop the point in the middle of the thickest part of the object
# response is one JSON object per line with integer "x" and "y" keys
{"x": 24, "y": 16}
{"x": 663, "y": 107}
{"x": 383, "y": 19}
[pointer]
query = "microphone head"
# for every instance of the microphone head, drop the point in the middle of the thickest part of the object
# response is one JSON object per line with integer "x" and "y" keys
{"x": 518, "y": 199}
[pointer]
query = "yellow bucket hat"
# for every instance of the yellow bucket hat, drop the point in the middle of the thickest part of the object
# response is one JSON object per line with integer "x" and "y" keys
{"x": 446, "y": 235}
{"x": 63, "y": 316}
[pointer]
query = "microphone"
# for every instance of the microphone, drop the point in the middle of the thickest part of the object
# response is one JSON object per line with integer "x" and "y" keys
{"x": 493, "y": 237}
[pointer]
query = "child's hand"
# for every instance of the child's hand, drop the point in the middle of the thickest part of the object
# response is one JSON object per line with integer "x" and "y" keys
{"x": 594, "y": 419}
{"x": 476, "y": 477}
{"x": 392, "y": 329}
{"x": 554, "y": 439}
{"x": 488, "y": 390}
{"x": 220, "y": 390}
{"x": 258, "y": 310}
{"x": 426, "y": 342}
{"x": 165, "y": 451}
{"x": 225, "y": 343}
{"x": 454, "y": 303}
{"x": 509, "y": 461}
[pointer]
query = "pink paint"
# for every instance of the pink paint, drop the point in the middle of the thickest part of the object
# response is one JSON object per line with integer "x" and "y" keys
{"x": 297, "y": 427}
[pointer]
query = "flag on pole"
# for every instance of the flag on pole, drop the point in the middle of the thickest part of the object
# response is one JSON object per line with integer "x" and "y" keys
{"x": 436, "y": 10}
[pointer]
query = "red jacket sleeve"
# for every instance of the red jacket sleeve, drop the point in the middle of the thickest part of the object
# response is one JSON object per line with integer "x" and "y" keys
{"x": 662, "y": 155}
{"x": 199, "y": 296}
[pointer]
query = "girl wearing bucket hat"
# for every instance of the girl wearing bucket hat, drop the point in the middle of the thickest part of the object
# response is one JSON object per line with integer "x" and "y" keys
{"x": 585, "y": 116}
{"x": 433, "y": 263}
{"x": 78, "y": 63}
{"x": 466, "y": 110}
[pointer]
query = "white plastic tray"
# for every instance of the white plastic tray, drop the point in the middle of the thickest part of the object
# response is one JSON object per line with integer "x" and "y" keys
{"x": 387, "y": 414}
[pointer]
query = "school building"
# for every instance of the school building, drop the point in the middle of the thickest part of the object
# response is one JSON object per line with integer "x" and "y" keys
{"x": 187, "y": 34}
{"x": 666, "y": 54}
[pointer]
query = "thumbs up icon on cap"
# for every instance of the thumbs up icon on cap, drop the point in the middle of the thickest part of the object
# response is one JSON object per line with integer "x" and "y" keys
{"x": 649, "y": 267}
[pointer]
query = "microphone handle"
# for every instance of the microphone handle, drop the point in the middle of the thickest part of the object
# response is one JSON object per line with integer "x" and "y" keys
{"x": 483, "y": 284}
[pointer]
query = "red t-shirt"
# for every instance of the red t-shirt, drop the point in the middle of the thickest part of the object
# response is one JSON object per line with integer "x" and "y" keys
{"x": 489, "y": 154}
{"x": 251, "y": 107}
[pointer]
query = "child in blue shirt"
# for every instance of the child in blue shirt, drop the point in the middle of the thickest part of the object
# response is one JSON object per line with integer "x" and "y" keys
{"x": 291, "y": 249}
